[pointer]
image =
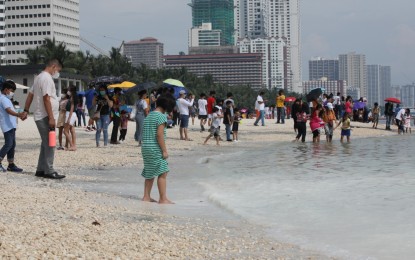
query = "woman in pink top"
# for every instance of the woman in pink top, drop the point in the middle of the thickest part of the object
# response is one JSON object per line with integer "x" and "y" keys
{"x": 348, "y": 105}
{"x": 316, "y": 123}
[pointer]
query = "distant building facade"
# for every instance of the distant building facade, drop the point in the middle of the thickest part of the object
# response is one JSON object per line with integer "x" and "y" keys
{"x": 232, "y": 69}
{"x": 213, "y": 50}
{"x": 354, "y": 92}
{"x": 408, "y": 96}
{"x": 27, "y": 24}
{"x": 204, "y": 35}
{"x": 396, "y": 91}
{"x": 220, "y": 13}
{"x": 273, "y": 19}
{"x": 146, "y": 51}
{"x": 352, "y": 68}
{"x": 378, "y": 83}
{"x": 323, "y": 68}
{"x": 330, "y": 86}
{"x": 274, "y": 65}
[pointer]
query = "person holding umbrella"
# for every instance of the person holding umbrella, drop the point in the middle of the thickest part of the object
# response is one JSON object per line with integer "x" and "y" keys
{"x": 388, "y": 114}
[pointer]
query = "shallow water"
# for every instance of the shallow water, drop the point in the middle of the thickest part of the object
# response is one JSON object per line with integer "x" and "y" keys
{"x": 353, "y": 201}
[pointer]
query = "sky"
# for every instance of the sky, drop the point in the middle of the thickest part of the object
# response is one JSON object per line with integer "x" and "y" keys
{"x": 383, "y": 30}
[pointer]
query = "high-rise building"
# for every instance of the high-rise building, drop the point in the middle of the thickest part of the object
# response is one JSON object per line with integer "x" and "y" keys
{"x": 408, "y": 96}
{"x": 204, "y": 35}
{"x": 352, "y": 69}
{"x": 146, "y": 51}
{"x": 278, "y": 19}
{"x": 2, "y": 32}
{"x": 218, "y": 12}
{"x": 323, "y": 68}
{"x": 29, "y": 22}
{"x": 379, "y": 85}
{"x": 274, "y": 69}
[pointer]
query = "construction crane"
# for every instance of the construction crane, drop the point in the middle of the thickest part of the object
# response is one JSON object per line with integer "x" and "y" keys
{"x": 95, "y": 47}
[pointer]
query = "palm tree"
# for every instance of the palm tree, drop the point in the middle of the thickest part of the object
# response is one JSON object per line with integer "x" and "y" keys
{"x": 35, "y": 56}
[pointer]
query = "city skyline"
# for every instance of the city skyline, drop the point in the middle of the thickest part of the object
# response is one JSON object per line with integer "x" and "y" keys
{"x": 381, "y": 30}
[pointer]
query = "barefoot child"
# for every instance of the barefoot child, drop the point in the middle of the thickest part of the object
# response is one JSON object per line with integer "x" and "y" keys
{"x": 316, "y": 123}
{"x": 345, "y": 122}
{"x": 235, "y": 125}
{"x": 214, "y": 128}
{"x": 375, "y": 115}
{"x": 154, "y": 150}
{"x": 329, "y": 120}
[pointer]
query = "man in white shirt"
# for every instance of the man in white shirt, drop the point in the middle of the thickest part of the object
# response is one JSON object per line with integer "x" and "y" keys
{"x": 46, "y": 109}
{"x": 260, "y": 103}
{"x": 202, "y": 105}
{"x": 184, "y": 105}
{"x": 400, "y": 120}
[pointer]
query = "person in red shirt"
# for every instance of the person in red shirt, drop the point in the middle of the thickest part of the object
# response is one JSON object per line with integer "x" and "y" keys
{"x": 211, "y": 102}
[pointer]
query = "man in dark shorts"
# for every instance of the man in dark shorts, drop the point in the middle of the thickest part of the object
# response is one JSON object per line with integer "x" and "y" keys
{"x": 211, "y": 102}
{"x": 202, "y": 105}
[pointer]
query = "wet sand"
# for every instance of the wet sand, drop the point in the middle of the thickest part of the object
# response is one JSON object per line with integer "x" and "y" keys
{"x": 57, "y": 219}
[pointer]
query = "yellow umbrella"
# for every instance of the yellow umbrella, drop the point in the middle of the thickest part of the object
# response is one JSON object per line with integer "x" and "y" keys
{"x": 125, "y": 84}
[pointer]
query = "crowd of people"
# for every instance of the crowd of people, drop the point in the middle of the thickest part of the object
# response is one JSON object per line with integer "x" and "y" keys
{"x": 161, "y": 110}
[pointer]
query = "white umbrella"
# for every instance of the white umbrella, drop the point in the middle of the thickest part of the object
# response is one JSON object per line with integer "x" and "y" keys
{"x": 20, "y": 86}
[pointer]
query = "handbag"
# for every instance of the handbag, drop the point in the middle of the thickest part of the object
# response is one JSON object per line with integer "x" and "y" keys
{"x": 96, "y": 115}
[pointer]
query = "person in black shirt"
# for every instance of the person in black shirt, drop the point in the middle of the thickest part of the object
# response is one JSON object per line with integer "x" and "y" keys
{"x": 104, "y": 104}
{"x": 228, "y": 120}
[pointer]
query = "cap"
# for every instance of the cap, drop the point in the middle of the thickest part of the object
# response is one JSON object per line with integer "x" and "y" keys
{"x": 329, "y": 105}
{"x": 181, "y": 92}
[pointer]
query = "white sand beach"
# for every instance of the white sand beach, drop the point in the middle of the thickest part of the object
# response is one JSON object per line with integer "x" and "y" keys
{"x": 54, "y": 219}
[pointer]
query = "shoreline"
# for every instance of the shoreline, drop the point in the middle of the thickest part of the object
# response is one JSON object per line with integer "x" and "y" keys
{"x": 76, "y": 214}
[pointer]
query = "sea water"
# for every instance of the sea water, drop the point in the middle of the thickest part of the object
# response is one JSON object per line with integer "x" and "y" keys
{"x": 353, "y": 200}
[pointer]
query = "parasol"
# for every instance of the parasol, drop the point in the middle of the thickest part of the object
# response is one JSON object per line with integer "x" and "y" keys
{"x": 393, "y": 100}
{"x": 123, "y": 85}
{"x": 290, "y": 99}
{"x": 314, "y": 94}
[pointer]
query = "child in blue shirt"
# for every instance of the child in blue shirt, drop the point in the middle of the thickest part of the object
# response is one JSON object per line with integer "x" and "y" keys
{"x": 8, "y": 124}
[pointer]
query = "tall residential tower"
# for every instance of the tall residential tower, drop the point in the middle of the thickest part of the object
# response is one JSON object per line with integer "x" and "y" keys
{"x": 273, "y": 19}
{"x": 352, "y": 69}
{"x": 29, "y": 22}
{"x": 379, "y": 85}
{"x": 323, "y": 68}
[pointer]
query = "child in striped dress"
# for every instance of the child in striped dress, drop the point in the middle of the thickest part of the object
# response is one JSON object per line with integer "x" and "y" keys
{"x": 154, "y": 150}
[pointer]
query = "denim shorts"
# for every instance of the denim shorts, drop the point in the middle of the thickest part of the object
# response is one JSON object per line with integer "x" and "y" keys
{"x": 345, "y": 132}
{"x": 184, "y": 121}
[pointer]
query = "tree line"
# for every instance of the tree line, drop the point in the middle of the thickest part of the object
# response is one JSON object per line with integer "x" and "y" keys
{"x": 116, "y": 64}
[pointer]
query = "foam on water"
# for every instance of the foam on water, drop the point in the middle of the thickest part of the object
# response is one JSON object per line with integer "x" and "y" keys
{"x": 348, "y": 200}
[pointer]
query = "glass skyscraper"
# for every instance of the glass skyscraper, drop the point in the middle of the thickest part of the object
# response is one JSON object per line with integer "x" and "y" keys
{"x": 218, "y": 12}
